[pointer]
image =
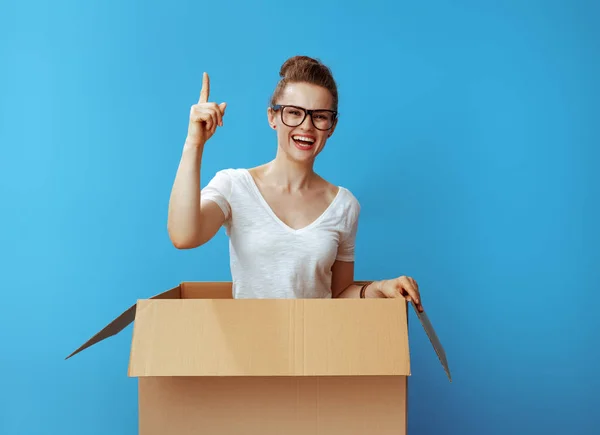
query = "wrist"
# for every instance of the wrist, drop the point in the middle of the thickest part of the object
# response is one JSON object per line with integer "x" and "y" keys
{"x": 193, "y": 145}
{"x": 192, "y": 151}
{"x": 373, "y": 290}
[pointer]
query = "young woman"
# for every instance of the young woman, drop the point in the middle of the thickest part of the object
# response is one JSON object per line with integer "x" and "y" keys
{"x": 292, "y": 234}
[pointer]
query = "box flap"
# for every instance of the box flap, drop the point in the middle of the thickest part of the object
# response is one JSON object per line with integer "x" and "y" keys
{"x": 270, "y": 337}
{"x": 433, "y": 338}
{"x": 118, "y": 324}
{"x": 207, "y": 290}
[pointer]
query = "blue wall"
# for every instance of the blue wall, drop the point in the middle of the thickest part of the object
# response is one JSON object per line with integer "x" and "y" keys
{"x": 469, "y": 132}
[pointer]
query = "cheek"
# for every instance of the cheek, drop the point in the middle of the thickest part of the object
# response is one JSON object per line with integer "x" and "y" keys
{"x": 283, "y": 131}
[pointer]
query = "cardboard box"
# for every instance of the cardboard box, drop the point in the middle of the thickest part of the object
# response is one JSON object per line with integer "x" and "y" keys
{"x": 210, "y": 364}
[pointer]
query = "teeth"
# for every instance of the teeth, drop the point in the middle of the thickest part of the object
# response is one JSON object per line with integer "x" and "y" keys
{"x": 303, "y": 139}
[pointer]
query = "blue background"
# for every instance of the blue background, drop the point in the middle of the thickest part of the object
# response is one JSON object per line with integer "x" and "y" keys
{"x": 468, "y": 131}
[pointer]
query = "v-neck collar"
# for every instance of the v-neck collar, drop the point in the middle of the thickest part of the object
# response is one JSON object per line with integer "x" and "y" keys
{"x": 270, "y": 211}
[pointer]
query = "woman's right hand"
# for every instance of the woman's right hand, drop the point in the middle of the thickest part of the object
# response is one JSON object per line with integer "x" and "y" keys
{"x": 205, "y": 117}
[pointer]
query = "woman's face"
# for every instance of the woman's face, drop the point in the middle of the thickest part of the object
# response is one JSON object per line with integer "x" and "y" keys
{"x": 302, "y": 142}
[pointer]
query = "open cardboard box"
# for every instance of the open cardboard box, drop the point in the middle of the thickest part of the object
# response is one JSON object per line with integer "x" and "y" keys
{"x": 210, "y": 364}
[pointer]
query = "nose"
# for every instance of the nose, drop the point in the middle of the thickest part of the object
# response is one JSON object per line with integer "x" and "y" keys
{"x": 307, "y": 123}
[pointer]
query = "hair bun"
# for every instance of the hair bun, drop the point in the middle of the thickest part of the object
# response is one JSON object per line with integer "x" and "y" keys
{"x": 305, "y": 69}
{"x": 297, "y": 63}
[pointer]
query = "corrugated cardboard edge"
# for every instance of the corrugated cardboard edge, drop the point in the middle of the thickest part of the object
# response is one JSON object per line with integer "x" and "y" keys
{"x": 123, "y": 320}
{"x": 142, "y": 305}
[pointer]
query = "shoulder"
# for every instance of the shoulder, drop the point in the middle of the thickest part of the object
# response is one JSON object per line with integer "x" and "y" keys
{"x": 232, "y": 173}
{"x": 349, "y": 200}
{"x": 229, "y": 176}
{"x": 225, "y": 182}
{"x": 341, "y": 195}
{"x": 347, "y": 208}
{"x": 348, "y": 212}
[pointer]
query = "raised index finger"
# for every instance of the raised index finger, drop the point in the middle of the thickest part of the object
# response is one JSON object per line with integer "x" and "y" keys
{"x": 205, "y": 91}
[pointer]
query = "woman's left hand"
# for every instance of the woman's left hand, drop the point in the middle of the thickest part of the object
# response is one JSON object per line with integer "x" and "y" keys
{"x": 403, "y": 286}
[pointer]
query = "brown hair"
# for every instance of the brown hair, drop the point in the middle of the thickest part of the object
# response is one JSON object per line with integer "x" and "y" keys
{"x": 306, "y": 69}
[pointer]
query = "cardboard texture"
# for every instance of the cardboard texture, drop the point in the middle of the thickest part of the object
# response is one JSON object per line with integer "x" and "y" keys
{"x": 210, "y": 364}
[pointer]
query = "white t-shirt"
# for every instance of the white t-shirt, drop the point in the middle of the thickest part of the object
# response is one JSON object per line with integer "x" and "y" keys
{"x": 269, "y": 259}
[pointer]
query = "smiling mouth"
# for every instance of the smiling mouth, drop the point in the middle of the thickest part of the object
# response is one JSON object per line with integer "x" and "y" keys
{"x": 303, "y": 142}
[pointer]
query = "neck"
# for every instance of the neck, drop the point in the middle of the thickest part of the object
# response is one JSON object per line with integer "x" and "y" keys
{"x": 289, "y": 174}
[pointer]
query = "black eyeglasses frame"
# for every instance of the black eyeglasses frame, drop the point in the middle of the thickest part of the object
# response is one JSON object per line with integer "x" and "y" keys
{"x": 281, "y": 107}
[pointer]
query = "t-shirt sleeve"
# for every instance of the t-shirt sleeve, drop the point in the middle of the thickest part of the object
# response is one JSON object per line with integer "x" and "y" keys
{"x": 346, "y": 248}
{"x": 218, "y": 190}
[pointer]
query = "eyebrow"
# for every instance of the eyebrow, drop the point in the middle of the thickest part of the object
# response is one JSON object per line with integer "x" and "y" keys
{"x": 302, "y": 107}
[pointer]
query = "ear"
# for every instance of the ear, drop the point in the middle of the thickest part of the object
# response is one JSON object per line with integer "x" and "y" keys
{"x": 271, "y": 118}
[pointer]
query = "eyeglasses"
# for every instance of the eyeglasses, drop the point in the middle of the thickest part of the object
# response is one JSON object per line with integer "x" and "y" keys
{"x": 293, "y": 116}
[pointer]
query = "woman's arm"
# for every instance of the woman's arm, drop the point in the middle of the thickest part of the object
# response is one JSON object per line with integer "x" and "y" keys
{"x": 344, "y": 286}
{"x": 192, "y": 222}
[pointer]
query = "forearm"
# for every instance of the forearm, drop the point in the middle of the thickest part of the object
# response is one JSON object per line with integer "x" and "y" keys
{"x": 184, "y": 203}
{"x": 353, "y": 290}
